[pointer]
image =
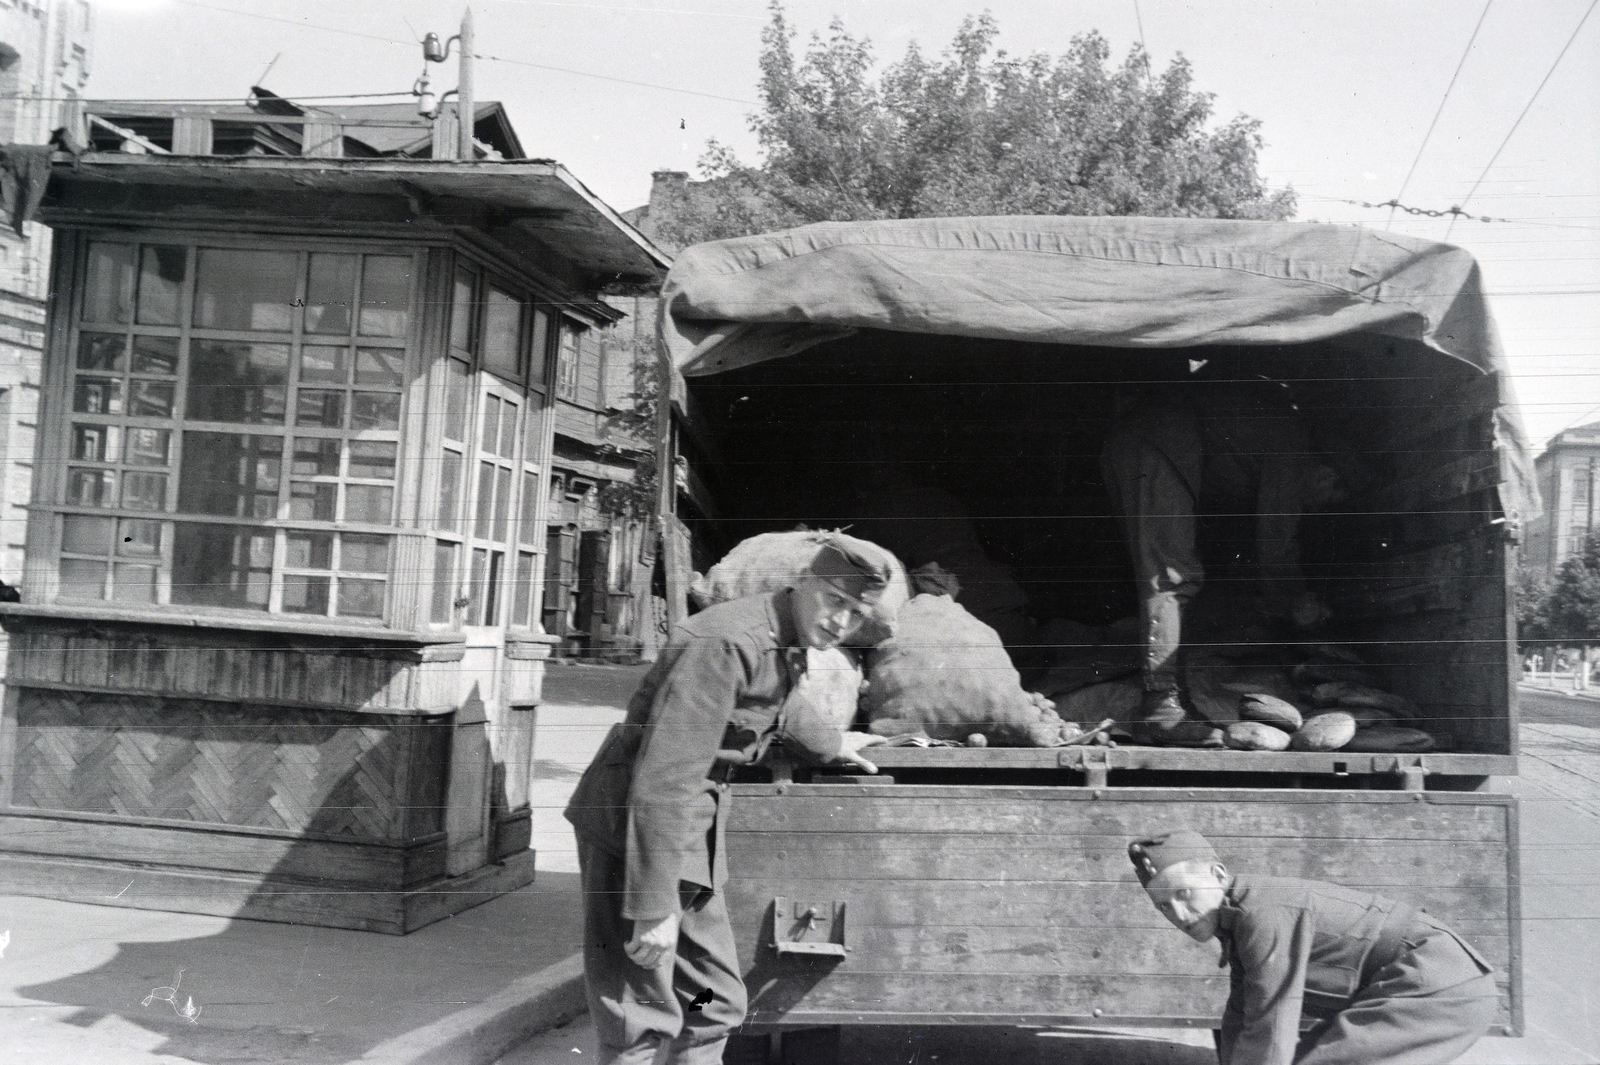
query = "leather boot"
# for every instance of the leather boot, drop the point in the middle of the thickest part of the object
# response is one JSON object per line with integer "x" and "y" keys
{"x": 1165, "y": 722}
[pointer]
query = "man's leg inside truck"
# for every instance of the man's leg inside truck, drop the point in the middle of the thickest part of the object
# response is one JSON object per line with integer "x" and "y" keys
{"x": 691, "y": 1004}
{"x": 1152, "y": 467}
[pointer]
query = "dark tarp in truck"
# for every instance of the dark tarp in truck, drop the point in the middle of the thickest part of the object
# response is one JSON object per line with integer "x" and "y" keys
{"x": 982, "y": 358}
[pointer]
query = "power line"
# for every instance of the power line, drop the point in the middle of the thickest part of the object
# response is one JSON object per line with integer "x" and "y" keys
{"x": 187, "y": 99}
{"x": 1423, "y": 146}
{"x": 1544, "y": 81}
{"x": 1452, "y": 212}
{"x": 640, "y": 10}
{"x": 476, "y": 55}
{"x": 620, "y": 81}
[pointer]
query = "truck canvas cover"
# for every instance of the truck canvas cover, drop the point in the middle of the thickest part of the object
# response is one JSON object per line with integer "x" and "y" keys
{"x": 1103, "y": 282}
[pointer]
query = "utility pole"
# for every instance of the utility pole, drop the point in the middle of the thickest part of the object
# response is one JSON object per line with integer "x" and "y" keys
{"x": 466, "y": 111}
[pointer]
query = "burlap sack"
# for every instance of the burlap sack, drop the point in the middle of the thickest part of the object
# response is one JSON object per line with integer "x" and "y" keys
{"x": 770, "y": 562}
{"x": 948, "y": 674}
{"x": 832, "y": 681}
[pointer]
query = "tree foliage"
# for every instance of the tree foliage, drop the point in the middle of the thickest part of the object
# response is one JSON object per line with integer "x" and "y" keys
{"x": 974, "y": 131}
{"x": 632, "y": 425}
{"x": 1533, "y": 604}
{"x": 1574, "y": 604}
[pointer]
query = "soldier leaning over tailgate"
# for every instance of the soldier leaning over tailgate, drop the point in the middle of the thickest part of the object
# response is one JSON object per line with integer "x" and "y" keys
{"x": 649, "y": 810}
{"x": 1321, "y": 974}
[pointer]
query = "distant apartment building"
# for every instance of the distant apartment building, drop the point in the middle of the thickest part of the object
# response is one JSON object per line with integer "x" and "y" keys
{"x": 44, "y": 63}
{"x": 1568, "y": 473}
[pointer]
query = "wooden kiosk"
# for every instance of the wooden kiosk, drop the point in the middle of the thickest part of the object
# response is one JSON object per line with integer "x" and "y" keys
{"x": 279, "y": 646}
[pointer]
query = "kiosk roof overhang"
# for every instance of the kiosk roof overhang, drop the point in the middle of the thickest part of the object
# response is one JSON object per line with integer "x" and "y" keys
{"x": 536, "y": 210}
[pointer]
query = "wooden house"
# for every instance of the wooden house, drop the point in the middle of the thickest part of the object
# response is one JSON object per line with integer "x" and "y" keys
{"x": 280, "y": 640}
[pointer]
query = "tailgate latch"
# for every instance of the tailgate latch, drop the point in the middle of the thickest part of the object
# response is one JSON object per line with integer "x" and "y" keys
{"x": 1411, "y": 770}
{"x": 808, "y": 928}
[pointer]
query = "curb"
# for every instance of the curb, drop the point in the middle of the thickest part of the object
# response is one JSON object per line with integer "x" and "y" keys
{"x": 1591, "y": 696}
{"x": 481, "y": 1034}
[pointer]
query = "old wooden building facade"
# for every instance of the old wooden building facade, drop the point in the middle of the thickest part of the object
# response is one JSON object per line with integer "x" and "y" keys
{"x": 281, "y": 624}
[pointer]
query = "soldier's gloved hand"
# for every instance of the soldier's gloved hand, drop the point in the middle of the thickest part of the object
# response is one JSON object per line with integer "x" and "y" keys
{"x": 652, "y": 942}
{"x": 850, "y": 749}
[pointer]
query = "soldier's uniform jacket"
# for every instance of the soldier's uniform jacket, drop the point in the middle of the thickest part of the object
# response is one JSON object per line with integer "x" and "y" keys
{"x": 652, "y": 793}
{"x": 1301, "y": 950}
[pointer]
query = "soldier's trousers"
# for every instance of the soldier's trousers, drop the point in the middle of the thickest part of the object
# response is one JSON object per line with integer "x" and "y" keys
{"x": 689, "y": 1004}
{"x": 1151, "y": 466}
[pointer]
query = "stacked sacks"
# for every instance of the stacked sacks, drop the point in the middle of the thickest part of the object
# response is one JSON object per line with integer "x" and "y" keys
{"x": 832, "y": 684}
{"x": 771, "y": 562}
{"x": 946, "y": 673}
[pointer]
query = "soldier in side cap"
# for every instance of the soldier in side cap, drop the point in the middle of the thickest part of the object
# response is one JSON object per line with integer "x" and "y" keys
{"x": 659, "y": 955}
{"x": 1320, "y": 974}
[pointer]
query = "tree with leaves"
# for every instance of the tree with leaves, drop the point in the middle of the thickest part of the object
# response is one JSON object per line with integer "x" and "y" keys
{"x": 975, "y": 131}
{"x": 1533, "y": 589}
{"x": 1574, "y": 610}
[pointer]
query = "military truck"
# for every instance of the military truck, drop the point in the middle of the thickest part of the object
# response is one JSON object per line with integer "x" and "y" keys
{"x": 979, "y": 360}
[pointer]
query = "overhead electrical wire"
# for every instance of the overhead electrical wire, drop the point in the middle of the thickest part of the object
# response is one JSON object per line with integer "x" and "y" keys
{"x": 1542, "y": 83}
{"x": 187, "y": 99}
{"x": 1424, "y": 145}
{"x": 1451, "y": 212}
{"x": 636, "y": 10}
{"x": 476, "y": 55}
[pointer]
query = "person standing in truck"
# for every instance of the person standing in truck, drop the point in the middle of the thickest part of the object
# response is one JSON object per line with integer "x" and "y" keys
{"x": 1320, "y": 974}
{"x": 659, "y": 957}
{"x": 1225, "y": 448}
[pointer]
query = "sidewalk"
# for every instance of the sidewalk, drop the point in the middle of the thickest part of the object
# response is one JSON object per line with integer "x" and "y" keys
{"x": 74, "y": 977}
{"x": 1560, "y": 686}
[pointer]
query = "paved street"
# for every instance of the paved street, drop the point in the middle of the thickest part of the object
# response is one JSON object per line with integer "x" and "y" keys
{"x": 581, "y": 703}
{"x": 1560, "y": 791}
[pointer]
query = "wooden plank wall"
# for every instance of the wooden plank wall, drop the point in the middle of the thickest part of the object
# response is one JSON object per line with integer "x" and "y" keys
{"x": 997, "y": 904}
{"x": 223, "y": 665}
{"x": 327, "y": 773}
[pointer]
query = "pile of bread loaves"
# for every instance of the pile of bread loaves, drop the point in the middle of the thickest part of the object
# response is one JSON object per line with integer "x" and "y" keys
{"x": 1349, "y": 717}
{"x": 1330, "y": 701}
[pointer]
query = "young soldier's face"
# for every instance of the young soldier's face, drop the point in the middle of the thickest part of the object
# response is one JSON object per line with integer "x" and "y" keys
{"x": 1189, "y": 894}
{"x": 823, "y": 615}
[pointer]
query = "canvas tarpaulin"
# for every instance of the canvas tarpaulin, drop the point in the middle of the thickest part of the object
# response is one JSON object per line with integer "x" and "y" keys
{"x": 1102, "y": 282}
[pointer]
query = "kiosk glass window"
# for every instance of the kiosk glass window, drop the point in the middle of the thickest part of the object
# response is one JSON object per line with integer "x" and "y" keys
{"x": 234, "y": 427}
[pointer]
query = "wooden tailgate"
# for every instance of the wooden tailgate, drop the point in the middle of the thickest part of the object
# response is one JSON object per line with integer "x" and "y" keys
{"x": 1017, "y": 905}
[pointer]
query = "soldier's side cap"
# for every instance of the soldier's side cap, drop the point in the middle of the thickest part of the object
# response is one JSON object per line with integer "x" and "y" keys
{"x": 860, "y": 574}
{"x": 1153, "y": 854}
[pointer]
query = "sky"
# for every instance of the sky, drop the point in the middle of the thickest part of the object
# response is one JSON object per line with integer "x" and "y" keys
{"x": 1359, "y": 100}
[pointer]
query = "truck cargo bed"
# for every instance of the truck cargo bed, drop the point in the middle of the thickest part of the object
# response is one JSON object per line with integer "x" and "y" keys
{"x": 1017, "y": 905}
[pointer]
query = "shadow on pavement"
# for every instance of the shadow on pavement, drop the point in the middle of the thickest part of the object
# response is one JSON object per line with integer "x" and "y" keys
{"x": 282, "y": 993}
{"x": 291, "y": 992}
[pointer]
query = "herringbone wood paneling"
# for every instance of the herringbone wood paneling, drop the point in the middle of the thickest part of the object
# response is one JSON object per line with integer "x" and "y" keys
{"x": 328, "y": 772}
